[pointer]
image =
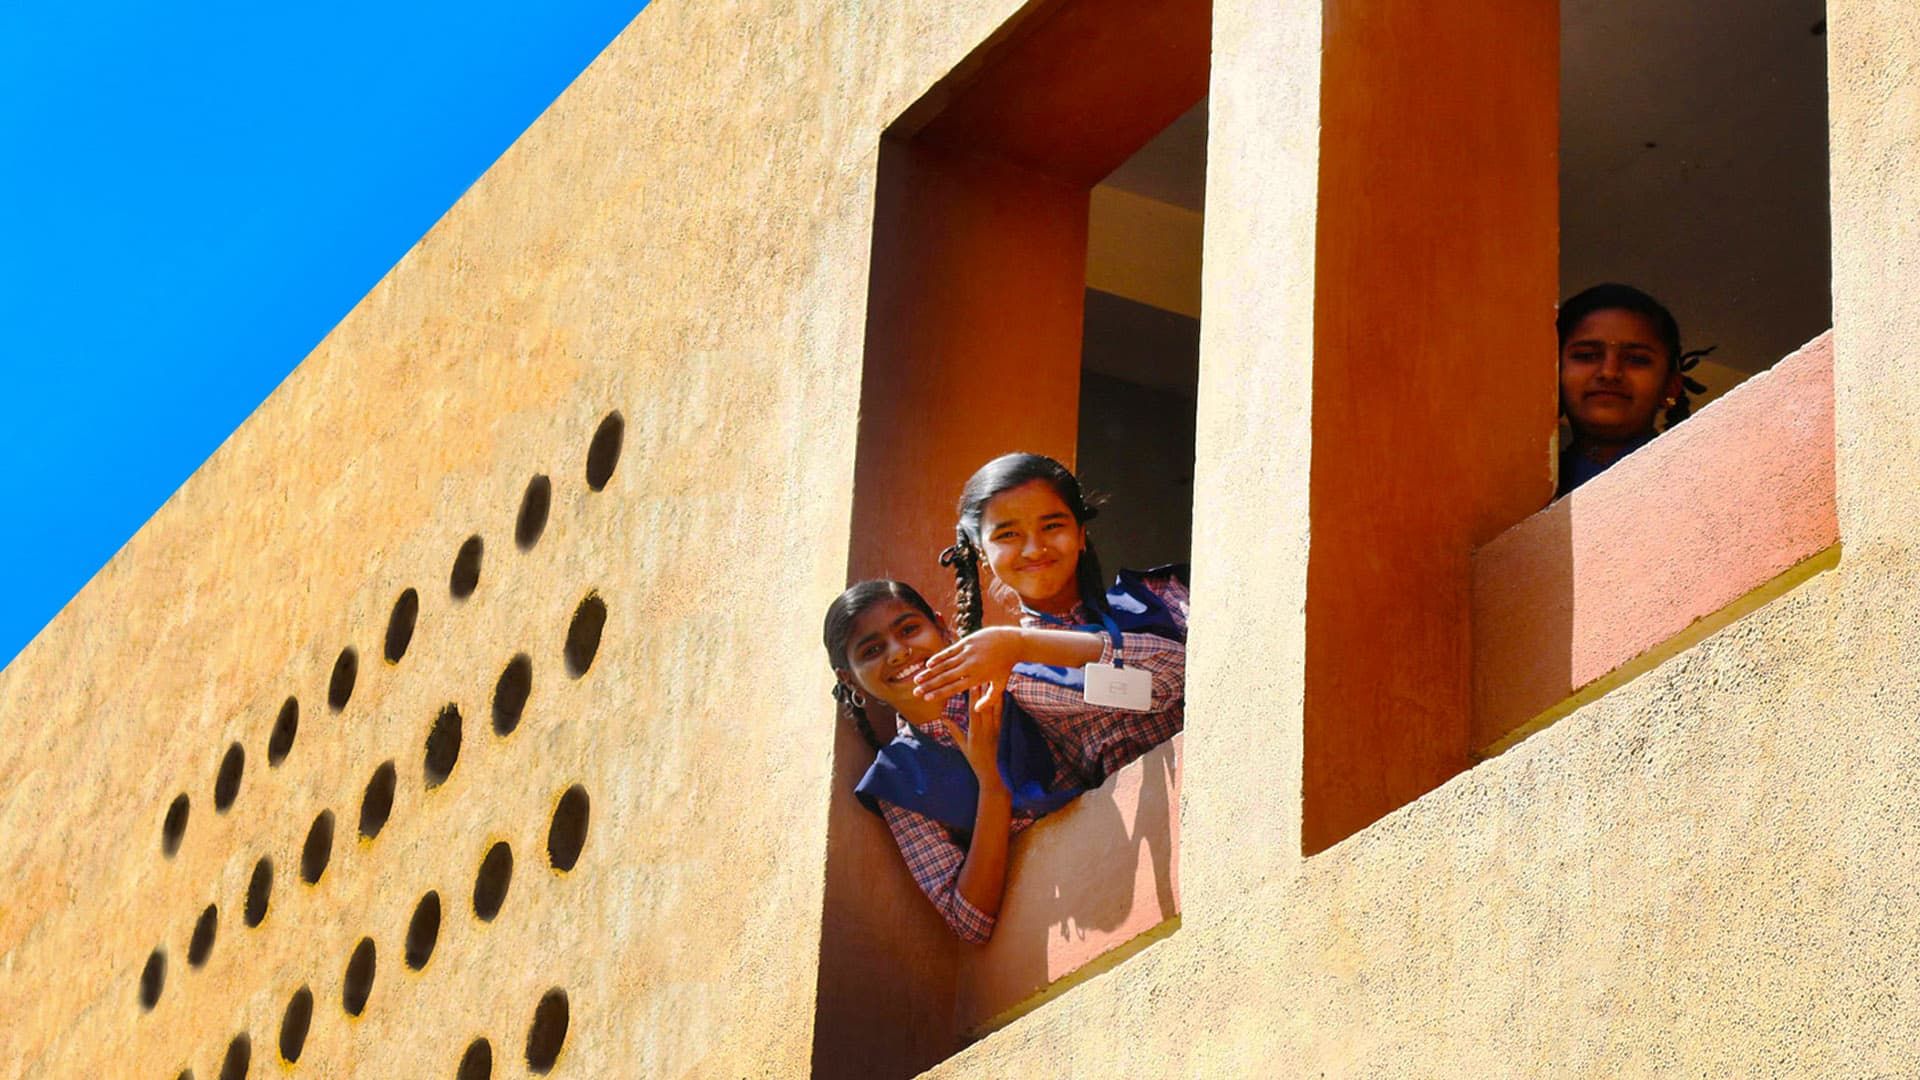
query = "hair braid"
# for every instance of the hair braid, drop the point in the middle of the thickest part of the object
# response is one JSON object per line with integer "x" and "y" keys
{"x": 969, "y": 610}
{"x": 1683, "y": 365}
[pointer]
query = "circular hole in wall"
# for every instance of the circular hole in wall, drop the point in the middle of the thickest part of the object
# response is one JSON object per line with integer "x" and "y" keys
{"x": 477, "y": 1062}
{"x": 490, "y": 885}
{"x": 174, "y": 826}
{"x": 200, "y": 946}
{"x": 443, "y": 746}
{"x": 406, "y": 610}
{"x": 583, "y": 634}
{"x": 226, "y": 783}
{"x": 285, "y": 727}
{"x": 466, "y": 569}
{"x": 239, "y": 1057}
{"x": 294, "y": 1024}
{"x": 259, "y": 893}
{"x": 340, "y": 686}
{"x": 604, "y": 452}
{"x": 153, "y": 978}
{"x": 318, "y": 848}
{"x": 377, "y": 804}
{"x": 548, "y": 1032}
{"x": 568, "y": 832}
{"x": 423, "y": 930}
{"x": 533, "y": 512}
{"x": 358, "y": 985}
{"x": 510, "y": 693}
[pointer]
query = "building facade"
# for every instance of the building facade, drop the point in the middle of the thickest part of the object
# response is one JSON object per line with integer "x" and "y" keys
{"x": 726, "y": 327}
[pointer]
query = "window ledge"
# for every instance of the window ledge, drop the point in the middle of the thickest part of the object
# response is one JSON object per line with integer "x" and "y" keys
{"x": 1698, "y": 527}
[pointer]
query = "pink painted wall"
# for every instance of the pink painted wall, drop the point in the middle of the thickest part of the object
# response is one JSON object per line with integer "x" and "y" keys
{"x": 1070, "y": 896}
{"x": 1677, "y": 531}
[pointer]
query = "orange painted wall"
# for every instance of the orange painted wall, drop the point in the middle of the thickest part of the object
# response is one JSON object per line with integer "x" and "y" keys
{"x": 1677, "y": 531}
{"x": 1433, "y": 390}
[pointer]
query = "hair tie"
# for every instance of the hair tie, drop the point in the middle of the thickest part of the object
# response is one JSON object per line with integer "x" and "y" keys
{"x": 1689, "y": 361}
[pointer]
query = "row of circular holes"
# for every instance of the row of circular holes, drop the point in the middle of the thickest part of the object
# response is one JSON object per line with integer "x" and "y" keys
{"x": 566, "y": 837}
{"x": 442, "y": 751}
{"x": 583, "y": 638}
{"x": 510, "y": 694}
{"x": 545, "y": 1036}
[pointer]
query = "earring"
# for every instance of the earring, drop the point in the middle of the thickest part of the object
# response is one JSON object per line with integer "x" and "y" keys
{"x": 1670, "y": 402}
{"x": 856, "y": 699}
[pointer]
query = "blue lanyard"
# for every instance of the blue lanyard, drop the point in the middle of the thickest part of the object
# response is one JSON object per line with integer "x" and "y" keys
{"x": 1106, "y": 621}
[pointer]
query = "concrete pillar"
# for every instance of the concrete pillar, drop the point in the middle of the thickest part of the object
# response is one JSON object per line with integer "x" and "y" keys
{"x": 1873, "y": 79}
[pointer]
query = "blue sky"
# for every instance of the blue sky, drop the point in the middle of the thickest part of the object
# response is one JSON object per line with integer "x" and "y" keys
{"x": 191, "y": 196}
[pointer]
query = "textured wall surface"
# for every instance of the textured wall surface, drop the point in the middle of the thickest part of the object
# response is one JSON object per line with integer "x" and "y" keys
{"x": 1710, "y": 870}
{"x": 684, "y": 238}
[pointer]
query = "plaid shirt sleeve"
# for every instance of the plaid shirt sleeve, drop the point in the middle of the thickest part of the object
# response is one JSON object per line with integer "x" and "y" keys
{"x": 1173, "y": 593}
{"x": 934, "y": 860}
{"x": 1097, "y": 739}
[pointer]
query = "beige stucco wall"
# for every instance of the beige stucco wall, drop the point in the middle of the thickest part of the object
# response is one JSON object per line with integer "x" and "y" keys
{"x": 1709, "y": 870}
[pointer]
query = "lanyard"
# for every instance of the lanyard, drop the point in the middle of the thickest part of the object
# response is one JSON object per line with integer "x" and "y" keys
{"x": 1106, "y": 621}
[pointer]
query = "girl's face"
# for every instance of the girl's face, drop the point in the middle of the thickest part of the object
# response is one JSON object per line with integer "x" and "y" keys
{"x": 889, "y": 642}
{"x": 1614, "y": 375}
{"x": 1033, "y": 545}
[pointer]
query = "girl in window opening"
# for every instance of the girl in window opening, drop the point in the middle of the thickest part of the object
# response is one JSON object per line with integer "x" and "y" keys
{"x": 954, "y": 784}
{"x": 1620, "y": 363}
{"x": 1024, "y": 516}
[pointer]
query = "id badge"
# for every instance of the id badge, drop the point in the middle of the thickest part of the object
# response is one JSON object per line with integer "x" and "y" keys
{"x": 1119, "y": 688}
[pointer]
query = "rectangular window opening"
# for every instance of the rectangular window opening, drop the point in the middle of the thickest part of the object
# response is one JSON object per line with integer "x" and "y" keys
{"x": 1034, "y": 286}
{"x": 1693, "y": 166}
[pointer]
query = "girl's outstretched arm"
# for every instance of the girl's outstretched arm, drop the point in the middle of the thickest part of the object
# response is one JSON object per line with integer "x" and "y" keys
{"x": 986, "y": 657}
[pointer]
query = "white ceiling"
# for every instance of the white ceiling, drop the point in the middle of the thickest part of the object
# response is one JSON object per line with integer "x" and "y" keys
{"x": 1723, "y": 216}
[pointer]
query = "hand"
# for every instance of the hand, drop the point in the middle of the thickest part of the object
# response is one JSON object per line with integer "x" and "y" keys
{"x": 982, "y": 659}
{"x": 981, "y": 740}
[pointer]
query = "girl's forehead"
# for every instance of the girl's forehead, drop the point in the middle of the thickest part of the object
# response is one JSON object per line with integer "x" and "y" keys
{"x": 880, "y": 615}
{"x": 1616, "y": 324}
{"x": 1035, "y": 498}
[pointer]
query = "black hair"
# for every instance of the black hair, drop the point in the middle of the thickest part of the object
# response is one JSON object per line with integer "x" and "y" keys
{"x": 1004, "y": 473}
{"x": 1613, "y": 296}
{"x": 839, "y": 627}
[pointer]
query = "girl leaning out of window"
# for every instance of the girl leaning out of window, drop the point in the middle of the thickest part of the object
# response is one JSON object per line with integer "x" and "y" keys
{"x": 1620, "y": 367}
{"x": 1124, "y": 692}
{"x": 954, "y": 783}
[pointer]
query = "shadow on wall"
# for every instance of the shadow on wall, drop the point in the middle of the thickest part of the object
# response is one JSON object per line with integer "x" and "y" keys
{"x": 1085, "y": 887}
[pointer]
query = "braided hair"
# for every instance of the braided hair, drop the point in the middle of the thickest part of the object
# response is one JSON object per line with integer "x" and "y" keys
{"x": 1616, "y": 297}
{"x": 1004, "y": 473}
{"x": 841, "y": 615}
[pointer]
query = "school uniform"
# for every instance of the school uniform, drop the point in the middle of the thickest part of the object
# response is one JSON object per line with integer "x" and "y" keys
{"x": 1053, "y": 745}
{"x": 1149, "y": 609}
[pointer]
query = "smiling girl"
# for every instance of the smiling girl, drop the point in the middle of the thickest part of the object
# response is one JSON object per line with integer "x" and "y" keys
{"x": 1024, "y": 516}
{"x": 954, "y": 784}
{"x": 1620, "y": 365}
